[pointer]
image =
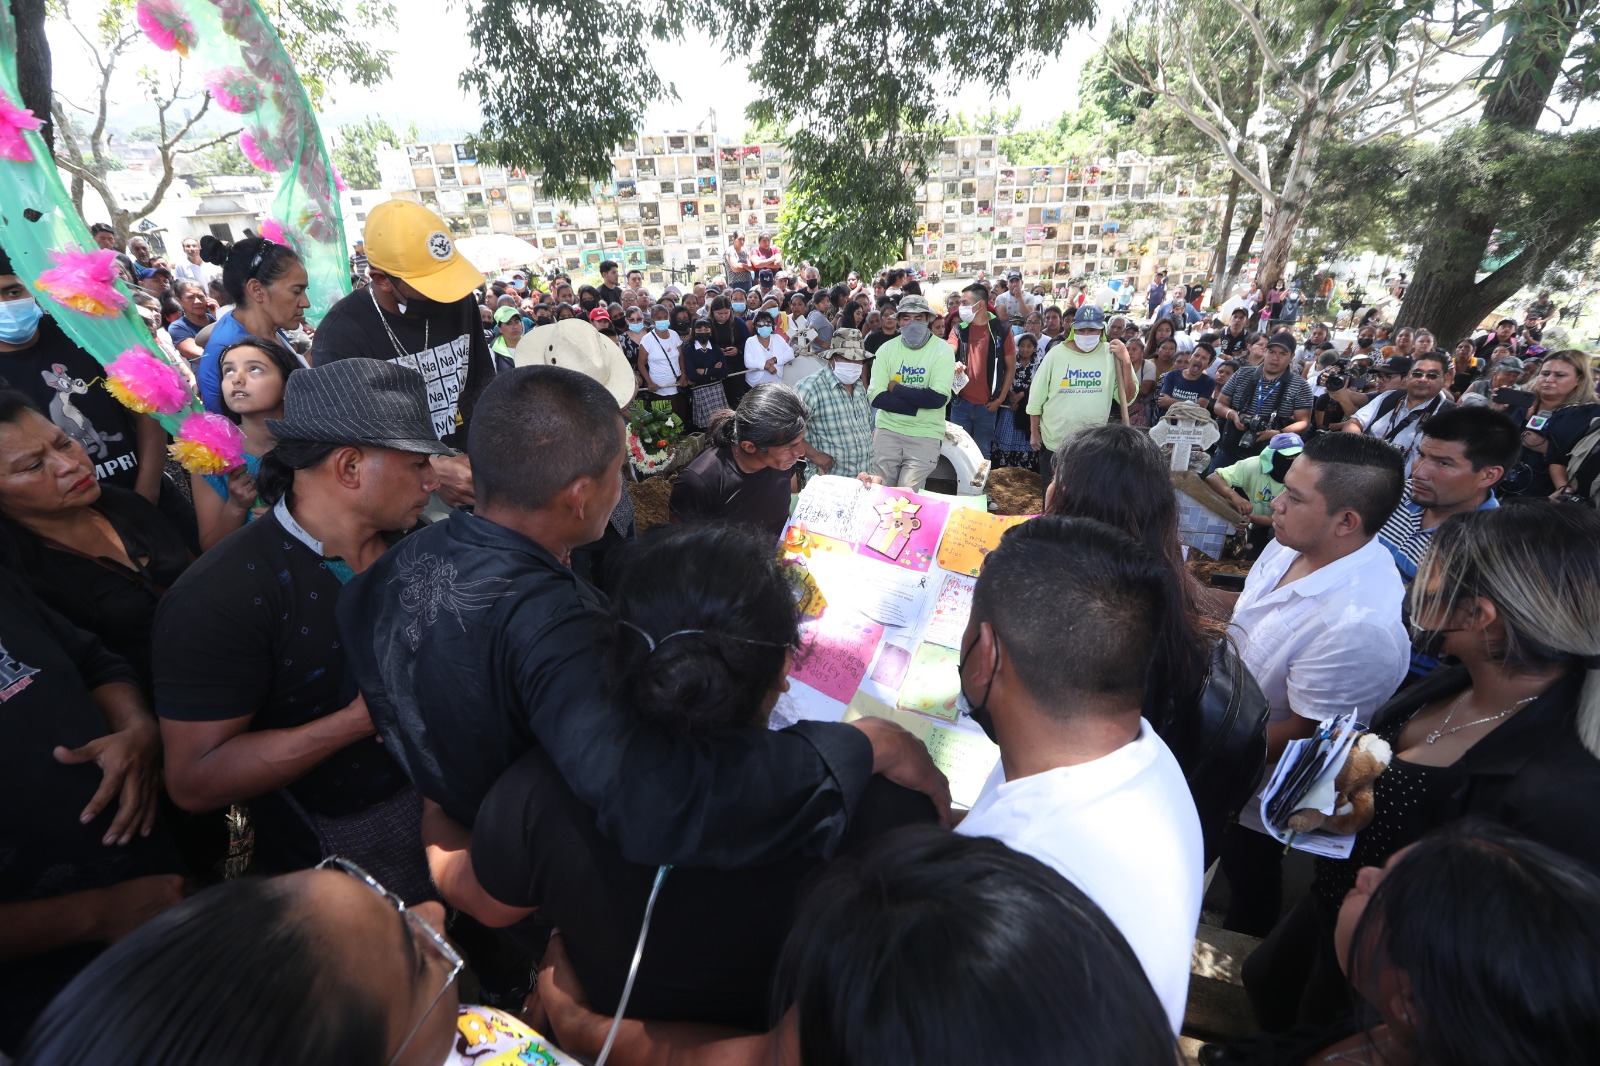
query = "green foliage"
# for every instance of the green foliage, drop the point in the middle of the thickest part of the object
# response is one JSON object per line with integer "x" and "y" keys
{"x": 861, "y": 97}
{"x": 654, "y": 424}
{"x": 838, "y": 235}
{"x": 329, "y": 39}
{"x": 356, "y": 155}
{"x": 223, "y": 159}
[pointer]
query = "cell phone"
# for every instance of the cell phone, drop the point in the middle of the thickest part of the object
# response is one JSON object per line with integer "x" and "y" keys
{"x": 1521, "y": 399}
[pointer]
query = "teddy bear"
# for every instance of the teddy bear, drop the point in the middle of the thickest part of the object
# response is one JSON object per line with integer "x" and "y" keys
{"x": 1353, "y": 805}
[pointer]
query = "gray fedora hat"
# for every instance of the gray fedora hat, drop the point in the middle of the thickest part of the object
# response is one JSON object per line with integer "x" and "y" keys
{"x": 359, "y": 401}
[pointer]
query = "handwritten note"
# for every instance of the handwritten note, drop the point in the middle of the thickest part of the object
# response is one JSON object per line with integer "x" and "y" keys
{"x": 902, "y": 527}
{"x": 969, "y": 536}
{"x": 950, "y": 610}
{"x": 832, "y": 506}
{"x": 834, "y": 653}
{"x": 966, "y": 759}
{"x": 932, "y": 682}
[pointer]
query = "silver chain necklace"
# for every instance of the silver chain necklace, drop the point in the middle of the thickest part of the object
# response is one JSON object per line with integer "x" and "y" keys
{"x": 1443, "y": 732}
{"x": 398, "y": 347}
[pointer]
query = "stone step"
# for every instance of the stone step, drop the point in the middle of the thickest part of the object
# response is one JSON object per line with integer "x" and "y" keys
{"x": 1218, "y": 1008}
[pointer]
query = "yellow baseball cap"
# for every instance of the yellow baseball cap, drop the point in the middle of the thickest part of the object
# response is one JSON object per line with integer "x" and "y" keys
{"x": 407, "y": 241}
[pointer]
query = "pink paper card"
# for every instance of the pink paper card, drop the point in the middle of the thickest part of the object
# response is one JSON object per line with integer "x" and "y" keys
{"x": 902, "y": 527}
{"x": 835, "y": 651}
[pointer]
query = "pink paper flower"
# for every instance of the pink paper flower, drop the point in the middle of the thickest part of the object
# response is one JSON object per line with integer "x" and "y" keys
{"x": 168, "y": 28}
{"x": 338, "y": 179}
{"x": 14, "y": 121}
{"x": 234, "y": 90}
{"x": 84, "y": 281}
{"x": 207, "y": 443}
{"x": 272, "y": 230}
{"x": 258, "y": 149}
{"x": 146, "y": 383}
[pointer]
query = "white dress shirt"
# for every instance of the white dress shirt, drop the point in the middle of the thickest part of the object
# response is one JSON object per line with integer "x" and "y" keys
{"x": 1327, "y": 642}
{"x": 1401, "y": 426}
{"x": 755, "y": 359}
{"x": 1123, "y": 829}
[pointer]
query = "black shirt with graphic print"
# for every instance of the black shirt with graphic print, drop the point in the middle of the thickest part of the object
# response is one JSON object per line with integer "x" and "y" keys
{"x": 447, "y": 347}
{"x": 249, "y": 629}
{"x": 48, "y": 669}
{"x": 67, "y": 384}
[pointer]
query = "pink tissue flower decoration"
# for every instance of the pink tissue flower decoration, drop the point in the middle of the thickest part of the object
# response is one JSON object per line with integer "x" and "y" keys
{"x": 168, "y": 28}
{"x": 272, "y": 230}
{"x": 208, "y": 443}
{"x": 84, "y": 281}
{"x": 233, "y": 90}
{"x": 143, "y": 382}
{"x": 255, "y": 147}
{"x": 14, "y": 121}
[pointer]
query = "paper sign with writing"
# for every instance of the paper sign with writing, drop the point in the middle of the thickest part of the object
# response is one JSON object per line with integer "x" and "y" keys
{"x": 965, "y": 758}
{"x": 950, "y": 611}
{"x": 971, "y": 535}
{"x": 835, "y": 651}
{"x": 932, "y": 682}
{"x": 831, "y": 506}
{"x": 902, "y": 527}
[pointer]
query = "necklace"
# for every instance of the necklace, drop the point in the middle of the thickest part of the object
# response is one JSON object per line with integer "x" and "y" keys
{"x": 1443, "y": 732}
{"x": 400, "y": 349}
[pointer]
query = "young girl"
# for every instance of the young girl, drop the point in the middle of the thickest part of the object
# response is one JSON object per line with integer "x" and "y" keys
{"x": 254, "y": 373}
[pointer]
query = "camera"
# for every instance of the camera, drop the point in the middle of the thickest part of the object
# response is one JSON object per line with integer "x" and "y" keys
{"x": 1259, "y": 423}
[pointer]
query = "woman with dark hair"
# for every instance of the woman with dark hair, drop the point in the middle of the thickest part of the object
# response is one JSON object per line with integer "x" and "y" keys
{"x": 1472, "y": 947}
{"x": 255, "y": 373}
{"x": 934, "y": 949}
{"x": 705, "y": 625}
{"x": 1011, "y": 444}
{"x": 319, "y": 968}
{"x": 1202, "y": 700}
{"x": 99, "y": 555}
{"x": 730, "y": 334}
{"x": 196, "y": 307}
{"x": 1162, "y": 329}
{"x": 766, "y": 354}
{"x": 267, "y": 283}
{"x": 1511, "y": 733}
{"x": 747, "y": 474}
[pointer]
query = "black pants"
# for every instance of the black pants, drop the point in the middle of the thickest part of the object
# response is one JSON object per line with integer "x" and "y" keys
{"x": 1293, "y": 978}
{"x": 1047, "y": 471}
{"x": 1253, "y": 864}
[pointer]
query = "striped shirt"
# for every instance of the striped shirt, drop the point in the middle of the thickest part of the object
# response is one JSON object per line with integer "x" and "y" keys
{"x": 1405, "y": 538}
{"x": 838, "y": 421}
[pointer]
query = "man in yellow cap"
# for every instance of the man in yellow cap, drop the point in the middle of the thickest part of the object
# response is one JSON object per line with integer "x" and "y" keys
{"x": 419, "y": 312}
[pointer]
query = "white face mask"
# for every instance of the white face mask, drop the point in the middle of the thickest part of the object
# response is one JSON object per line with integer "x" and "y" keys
{"x": 967, "y": 312}
{"x": 1086, "y": 342}
{"x": 847, "y": 372}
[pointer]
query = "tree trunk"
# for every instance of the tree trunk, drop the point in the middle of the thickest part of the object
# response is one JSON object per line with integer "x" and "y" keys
{"x": 33, "y": 64}
{"x": 1240, "y": 257}
{"x": 1219, "y": 256}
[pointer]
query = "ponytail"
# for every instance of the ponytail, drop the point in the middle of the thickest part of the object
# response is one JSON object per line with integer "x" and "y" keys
{"x": 275, "y": 479}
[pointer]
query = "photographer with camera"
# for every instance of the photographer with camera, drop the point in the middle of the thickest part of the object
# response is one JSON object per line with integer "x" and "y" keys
{"x": 1398, "y": 416}
{"x": 1261, "y": 401}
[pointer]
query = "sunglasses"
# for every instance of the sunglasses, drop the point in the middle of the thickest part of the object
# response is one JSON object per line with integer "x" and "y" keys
{"x": 421, "y": 931}
{"x": 1430, "y": 375}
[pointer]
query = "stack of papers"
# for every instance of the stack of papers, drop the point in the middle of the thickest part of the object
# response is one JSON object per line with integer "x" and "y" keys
{"x": 1304, "y": 779}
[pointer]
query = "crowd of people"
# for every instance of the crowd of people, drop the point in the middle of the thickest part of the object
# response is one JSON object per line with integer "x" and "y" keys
{"x": 291, "y": 749}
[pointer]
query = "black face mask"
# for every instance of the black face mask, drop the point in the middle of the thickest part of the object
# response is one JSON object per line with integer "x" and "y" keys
{"x": 587, "y": 303}
{"x": 978, "y": 712}
{"x": 1280, "y": 467}
{"x": 543, "y": 320}
{"x": 1364, "y": 342}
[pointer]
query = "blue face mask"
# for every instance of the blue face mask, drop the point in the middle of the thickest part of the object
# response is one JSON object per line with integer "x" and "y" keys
{"x": 763, "y": 331}
{"x": 1016, "y": 331}
{"x": 738, "y": 308}
{"x": 635, "y": 327}
{"x": 19, "y": 320}
{"x": 662, "y": 325}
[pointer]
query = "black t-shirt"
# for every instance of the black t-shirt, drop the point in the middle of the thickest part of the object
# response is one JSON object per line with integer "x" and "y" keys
{"x": 103, "y": 596}
{"x": 877, "y": 339}
{"x": 610, "y": 294}
{"x": 715, "y": 935}
{"x": 250, "y": 630}
{"x": 47, "y": 670}
{"x": 1229, "y": 343}
{"x": 714, "y": 489}
{"x": 64, "y": 380}
{"x": 447, "y": 348}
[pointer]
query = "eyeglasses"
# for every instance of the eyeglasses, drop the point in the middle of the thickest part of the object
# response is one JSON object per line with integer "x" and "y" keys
{"x": 429, "y": 935}
{"x": 1431, "y": 375}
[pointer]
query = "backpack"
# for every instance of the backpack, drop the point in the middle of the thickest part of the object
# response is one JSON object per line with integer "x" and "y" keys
{"x": 1583, "y": 467}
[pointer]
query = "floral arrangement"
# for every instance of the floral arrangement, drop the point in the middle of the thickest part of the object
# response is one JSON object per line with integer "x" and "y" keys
{"x": 84, "y": 281}
{"x": 234, "y": 90}
{"x": 168, "y": 28}
{"x": 13, "y": 121}
{"x": 652, "y": 431}
{"x": 146, "y": 383}
{"x": 257, "y": 146}
{"x": 207, "y": 443}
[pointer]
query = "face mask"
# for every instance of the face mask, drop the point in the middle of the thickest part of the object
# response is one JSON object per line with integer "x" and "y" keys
{"x": 1086, "y": 342}
{"x": 703, "y": 339}
{"x": 635, "y": 327}
{"x": 738, "y": 308}
{"x": 1017, "y": 331}
{"x": 543, "y": 320}
{"x": 915, "y": 334}
{"x": 416, "y": 308}
{"x": 662, "y": 325}
{"x": 847, "y": 373}
{"x": 1364, "y": 342}
{"x": 978, "y": 712}
{"x": 1280, "y": 467}
{"x": 1429, "y": 642}
{"x": 967, "y": 312}
{"x": 19, "y": 319}
{"x": 763, "y": 331}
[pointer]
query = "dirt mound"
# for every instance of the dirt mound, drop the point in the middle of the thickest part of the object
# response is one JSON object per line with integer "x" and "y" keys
{"x": 1014, "y": 490}
{"x": 649, "y": 500}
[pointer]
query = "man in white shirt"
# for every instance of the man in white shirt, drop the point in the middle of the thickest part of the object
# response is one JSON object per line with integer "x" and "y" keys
{"x": 1015, "y": 303}
{"x": 192, "y": 269}
{"x": 1319, "y": 625}
{"x": 1397, "y": 418}
{"x": 1083, "y": 783}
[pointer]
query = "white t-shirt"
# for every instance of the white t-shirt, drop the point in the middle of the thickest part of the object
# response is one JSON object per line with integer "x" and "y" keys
{"x": 1123, "y": 828}
{"x": 1401, "y": 426}
{"x": 1329, "y": 642}
{"x": 755, "y": 359}
{"x": 665, "y": 360}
